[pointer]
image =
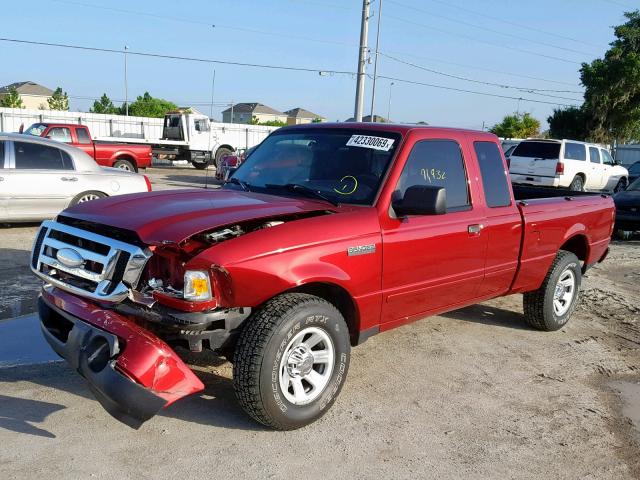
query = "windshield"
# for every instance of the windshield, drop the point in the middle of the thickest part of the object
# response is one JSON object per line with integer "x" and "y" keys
{"x": 544, "y": 150}
{"x": 341, "y": 165}
{"x": 36, "y": 129}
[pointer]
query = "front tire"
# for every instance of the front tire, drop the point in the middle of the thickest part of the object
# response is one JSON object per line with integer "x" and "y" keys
{"x": 200, "y": 165}
{"x": 291, "y": 361}
{"x": 550, "y": 307}
{"x": 620, "y": 186}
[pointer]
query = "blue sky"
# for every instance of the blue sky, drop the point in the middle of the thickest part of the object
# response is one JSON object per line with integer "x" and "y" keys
{"x": 456, "y": 37}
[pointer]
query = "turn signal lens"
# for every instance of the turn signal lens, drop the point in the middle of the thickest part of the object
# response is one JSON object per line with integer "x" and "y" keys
{"x": 196, "y": 285}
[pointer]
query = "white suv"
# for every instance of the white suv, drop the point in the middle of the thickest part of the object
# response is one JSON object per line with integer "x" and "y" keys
{"x": 566, "y": 163}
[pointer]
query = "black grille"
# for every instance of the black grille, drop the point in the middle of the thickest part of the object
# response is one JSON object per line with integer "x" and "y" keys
{"x": 37, "y": 246}
{"x": 118, "y": 271}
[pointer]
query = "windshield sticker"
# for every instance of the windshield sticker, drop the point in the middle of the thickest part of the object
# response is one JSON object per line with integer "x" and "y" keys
{"x": 376, "y": 143}
{"x": 348, "y": 185}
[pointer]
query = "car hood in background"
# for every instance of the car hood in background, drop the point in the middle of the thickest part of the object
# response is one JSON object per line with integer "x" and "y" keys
{"x": 627, "y": 198}
{"x": 174, "y": 215}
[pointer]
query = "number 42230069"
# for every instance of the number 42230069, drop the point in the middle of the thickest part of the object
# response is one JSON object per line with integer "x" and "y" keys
{"x": 431, "y": 174}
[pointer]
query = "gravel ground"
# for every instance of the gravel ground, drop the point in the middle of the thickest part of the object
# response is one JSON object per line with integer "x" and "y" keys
{"x": 472, "y": 393}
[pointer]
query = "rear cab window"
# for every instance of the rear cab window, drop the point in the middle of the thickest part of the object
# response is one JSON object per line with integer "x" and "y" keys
{"x": 575, "y": 151}
{"x": 540, "y": 150}
{"x": 494, "y": 177}
{"x": 83, "y": 136}
{"x": 437, "y": 163}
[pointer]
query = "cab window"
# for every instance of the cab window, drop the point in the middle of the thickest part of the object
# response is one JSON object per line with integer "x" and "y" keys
{"x": 437, "y": 163}
{"x": 607, "y": 159}
{"x": 594, "y": 155}
{"x": 83, "y": 136}
{"x": 494, "y": 176}
{"x": 60, "y": 134}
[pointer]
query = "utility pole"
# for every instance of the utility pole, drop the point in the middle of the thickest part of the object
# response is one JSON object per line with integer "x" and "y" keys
{"x": 389, "y": 107}
{"x": 375, "y": 64}
{"x": 213, "y": 89}
{"x": 362, "y": 60}
{"x": 126, "y": 87}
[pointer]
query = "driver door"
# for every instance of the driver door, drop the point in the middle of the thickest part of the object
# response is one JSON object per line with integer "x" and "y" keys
{"x": 431, "y": 262}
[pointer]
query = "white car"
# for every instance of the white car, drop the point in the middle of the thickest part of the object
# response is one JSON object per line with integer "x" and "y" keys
{"x": 568, "y": 164}
{"x": 40, "y": 177}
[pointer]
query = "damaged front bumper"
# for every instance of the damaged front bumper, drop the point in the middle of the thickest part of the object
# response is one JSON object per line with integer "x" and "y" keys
{"x": 132, "y": 373}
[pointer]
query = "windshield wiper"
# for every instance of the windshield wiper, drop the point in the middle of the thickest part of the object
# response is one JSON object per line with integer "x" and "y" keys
{"x": 244, "y": 185}
{"x": 310, "y": 192}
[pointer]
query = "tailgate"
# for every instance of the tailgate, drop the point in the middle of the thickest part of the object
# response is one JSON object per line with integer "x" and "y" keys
{"x": 535, "y": 157}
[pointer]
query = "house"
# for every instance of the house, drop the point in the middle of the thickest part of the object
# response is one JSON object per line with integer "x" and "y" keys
{"x": 367, "y": 119}
{"x": 33, "y": 95}
{"x": 296, "y": 116}
{"x": 245, "y": 112}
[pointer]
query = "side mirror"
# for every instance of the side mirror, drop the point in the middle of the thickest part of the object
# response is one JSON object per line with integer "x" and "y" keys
{"x": 421, "y": 200}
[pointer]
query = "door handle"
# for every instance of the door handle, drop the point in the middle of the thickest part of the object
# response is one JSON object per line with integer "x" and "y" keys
{"x": 475, "y": 229}
{"x": 69, "y": 179}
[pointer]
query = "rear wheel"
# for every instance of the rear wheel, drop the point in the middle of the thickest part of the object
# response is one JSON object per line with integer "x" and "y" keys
{"x": 291, "y": 361}
{"x": 125, "y": 165}
{"x": 550, "y": 307}
{"x": 577, "y": 184}
{"x": 87, "y": 197}
{"x": 221, "y": 153}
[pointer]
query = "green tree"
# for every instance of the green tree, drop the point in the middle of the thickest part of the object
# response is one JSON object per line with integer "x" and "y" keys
{"x": 518, "y": 125}
{"x": 11, "y": 99}
{"x": 148, "y": 106}
{"x": 104, "y": 105}
{"x": 612, "y": 86}
{"x": 269, "y": 123}
{"x": 570, "y": 122}
{"x": 59, "y": 100}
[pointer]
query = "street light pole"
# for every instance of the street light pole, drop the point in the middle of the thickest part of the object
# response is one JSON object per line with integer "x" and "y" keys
{"x": 126, "y": 87}
{"x": 375, "y": 64}
{"x": 389, "y": 107}
{"x": 362, "y": 60}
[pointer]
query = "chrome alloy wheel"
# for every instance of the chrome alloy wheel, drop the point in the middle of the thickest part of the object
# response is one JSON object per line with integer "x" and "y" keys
{"x": 306, "y": 366}
{"x": 88, "y": 197}
{"x": 564, "y": 292}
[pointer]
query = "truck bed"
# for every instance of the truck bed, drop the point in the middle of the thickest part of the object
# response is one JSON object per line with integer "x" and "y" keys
{"x": 524, "y": 192}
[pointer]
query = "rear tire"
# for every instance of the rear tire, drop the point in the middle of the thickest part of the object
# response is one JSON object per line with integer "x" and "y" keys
{"x": 220, "y": 154}
{"x": 291, "y": 361}
{"x": 550, "y": 307}
{"x": 200, "y": 165}
{"x": 125, "y": 165}
{"x": 577, "y": 184}
{"x": 87, "y": 197}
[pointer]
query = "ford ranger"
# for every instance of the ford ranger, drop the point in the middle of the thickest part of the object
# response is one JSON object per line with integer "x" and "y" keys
{"x": 124, "y": 156}
{"x": 326, "y": 235}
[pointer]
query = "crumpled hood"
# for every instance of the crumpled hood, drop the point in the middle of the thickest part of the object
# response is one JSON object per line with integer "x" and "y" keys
{"x": 172, "y": 216}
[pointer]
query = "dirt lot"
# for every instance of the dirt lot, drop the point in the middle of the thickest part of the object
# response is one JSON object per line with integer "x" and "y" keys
{"x": 473, "y": 393}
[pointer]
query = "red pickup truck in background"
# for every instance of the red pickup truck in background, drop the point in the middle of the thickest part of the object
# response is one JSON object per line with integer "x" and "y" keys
{"x": 124, "y": 156}
{"x": 326, "y": 234}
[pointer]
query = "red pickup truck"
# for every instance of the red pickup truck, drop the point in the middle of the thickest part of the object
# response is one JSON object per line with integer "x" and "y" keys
{"x": 326, "y": 235}
{"x": 124, "y": 156}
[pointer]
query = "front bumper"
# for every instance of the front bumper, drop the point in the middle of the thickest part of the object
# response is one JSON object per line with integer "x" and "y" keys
{"x": 132, "y": 373}
{"x": 626, "y": 220}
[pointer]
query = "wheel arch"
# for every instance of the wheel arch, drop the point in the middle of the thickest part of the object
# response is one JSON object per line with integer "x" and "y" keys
{"x": 578, "y": 244}
{"x": 340, "y": 298}
{"x": 124, "y": 156}
{"x": 226, "y": 146}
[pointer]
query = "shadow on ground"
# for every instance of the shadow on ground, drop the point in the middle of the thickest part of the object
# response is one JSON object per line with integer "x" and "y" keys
{"x": 489, "y": 315}
{"x": 215, "y": 406}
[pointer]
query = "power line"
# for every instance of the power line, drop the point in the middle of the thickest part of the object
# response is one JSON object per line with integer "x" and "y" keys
{"x": 515, "y": 24}
{"x": 484, "y": 69}
{"x": 487, "y": 29}
{"x": 177, "y": 57}
{"x": 267, "y": 66}
{"x": 202, "y": 22}
{"x": 476, "y": 39}
{"x": 482, "y": 82}
{"x": 475, "y": 92}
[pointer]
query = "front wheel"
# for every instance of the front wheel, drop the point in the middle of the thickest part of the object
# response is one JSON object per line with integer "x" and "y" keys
{"x": 620, "y": 186}
{"x": 86, "y": 197}
{"x": 550, "y": 307}
{"x": 291, "y": 361}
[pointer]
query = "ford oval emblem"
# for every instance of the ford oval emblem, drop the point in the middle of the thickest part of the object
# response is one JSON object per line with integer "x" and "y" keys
{"x": 69, "y": 258}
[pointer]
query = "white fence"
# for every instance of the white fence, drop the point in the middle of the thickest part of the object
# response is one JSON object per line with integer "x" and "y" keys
{"x": 118, "y": 126}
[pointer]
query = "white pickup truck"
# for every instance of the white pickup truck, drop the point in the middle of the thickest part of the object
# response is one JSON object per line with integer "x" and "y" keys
{"x": 568, "y": 164}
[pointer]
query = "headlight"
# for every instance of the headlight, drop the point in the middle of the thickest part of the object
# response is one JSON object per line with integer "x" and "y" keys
{"x": 196, "y": 285}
